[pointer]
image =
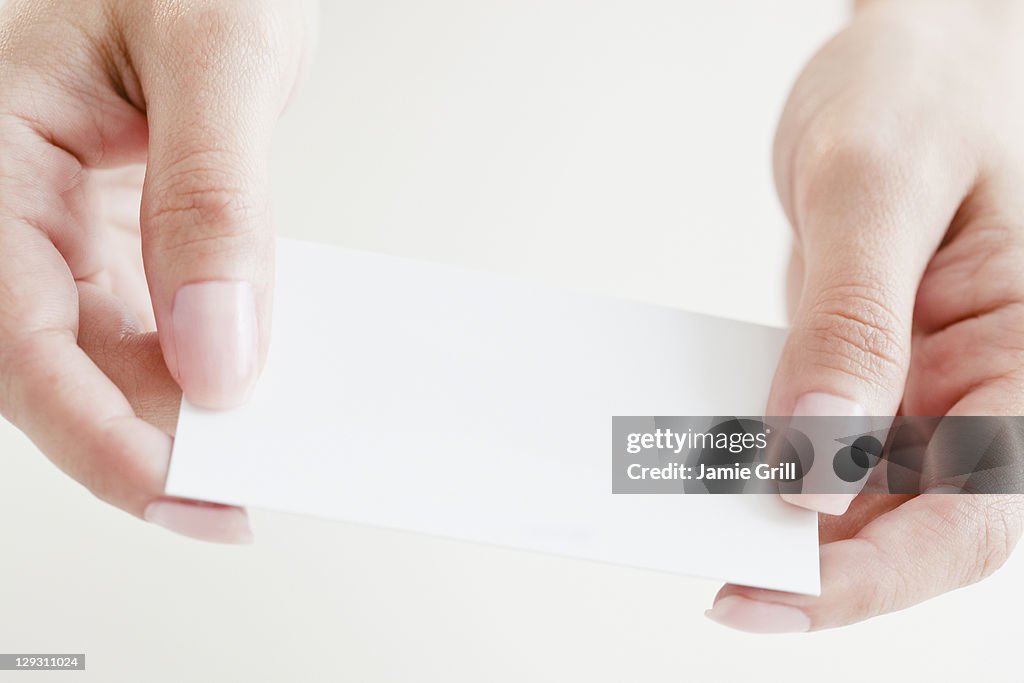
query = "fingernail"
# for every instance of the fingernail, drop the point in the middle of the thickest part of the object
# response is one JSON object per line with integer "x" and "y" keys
{"x": 213, "y": 523}
{"x": 828, "y": 503}
{"x": 817, "y": 404}
{"x": 215, "y": 342}
{"x": 754, "y": 616}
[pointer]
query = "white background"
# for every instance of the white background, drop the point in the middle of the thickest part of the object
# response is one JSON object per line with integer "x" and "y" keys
{"x": 615, "y": 146}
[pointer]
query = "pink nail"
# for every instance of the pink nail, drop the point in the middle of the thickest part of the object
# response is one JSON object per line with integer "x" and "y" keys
{"x": 829, "y": 503}
{"x": 816, "y": 404}
{"x": 215, "y": 342}
{"x": 755, "y": 616}
{"x": 213, "y": 523}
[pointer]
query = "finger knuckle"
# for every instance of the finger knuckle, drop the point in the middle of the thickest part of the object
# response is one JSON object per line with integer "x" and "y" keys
{"x": 841, "y": 158}
{"x": 203, "y": 211}
{"x": 832, "y": 143}
{"x": 855, "y": 332}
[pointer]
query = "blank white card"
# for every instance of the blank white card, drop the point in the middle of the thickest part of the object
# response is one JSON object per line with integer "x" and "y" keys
{"x": 479, "y": 407}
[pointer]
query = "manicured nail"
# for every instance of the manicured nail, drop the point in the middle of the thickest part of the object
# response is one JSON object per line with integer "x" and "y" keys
{"x": 215, "y": 342}
{"x": 829, "y": 503}
{"x": 754, "y": 616}
{"x": 213, "y": 523}
{"x": 817, "y": 404}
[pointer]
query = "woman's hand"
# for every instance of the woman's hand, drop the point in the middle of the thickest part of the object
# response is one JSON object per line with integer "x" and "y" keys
{"x": 89, "y": 90}
{"x": 900, "y": 163}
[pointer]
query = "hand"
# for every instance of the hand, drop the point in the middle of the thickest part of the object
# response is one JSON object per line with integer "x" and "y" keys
{"x": 90, "y": 90}
{"x": 900, "y": 161}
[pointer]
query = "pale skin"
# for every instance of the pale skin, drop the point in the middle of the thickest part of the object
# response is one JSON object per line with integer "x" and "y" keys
{"x": 898, "y": 160}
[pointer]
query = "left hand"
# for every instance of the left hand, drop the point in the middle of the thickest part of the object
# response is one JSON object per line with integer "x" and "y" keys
{"x": 91, "y": 88}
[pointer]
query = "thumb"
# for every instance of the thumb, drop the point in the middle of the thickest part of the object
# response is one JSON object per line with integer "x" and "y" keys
{"x": 866, "y": 222}
{"x": 213, "y": 94}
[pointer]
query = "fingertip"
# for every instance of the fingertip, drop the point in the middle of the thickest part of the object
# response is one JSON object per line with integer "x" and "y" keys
{"x": 201, "y": 521}
{"x": 757, "y": 616}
